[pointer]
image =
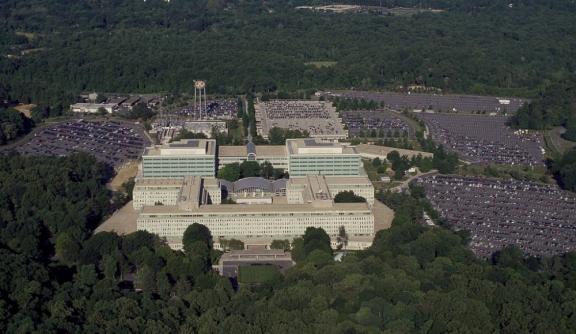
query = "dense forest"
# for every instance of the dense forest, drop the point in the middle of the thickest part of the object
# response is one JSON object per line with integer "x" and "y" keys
{"x": 13, "y": 124}
{"x": 51, "y": 50}
{"x": 56, "y": 278}
{"x": 556, "y": 106}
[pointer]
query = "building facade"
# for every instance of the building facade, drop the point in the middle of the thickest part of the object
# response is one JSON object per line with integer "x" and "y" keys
{"x": 259, "y": 221}
{"x": 316, "y": 157}
{"x": 188, "y": 157}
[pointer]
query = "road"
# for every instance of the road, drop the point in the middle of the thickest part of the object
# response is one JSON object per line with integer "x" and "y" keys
{"x": 404, "y": 184}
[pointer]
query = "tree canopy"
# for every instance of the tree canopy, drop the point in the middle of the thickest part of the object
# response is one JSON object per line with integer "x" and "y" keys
{"x": 348, "y": 197}
{"x": 412, "y": 279}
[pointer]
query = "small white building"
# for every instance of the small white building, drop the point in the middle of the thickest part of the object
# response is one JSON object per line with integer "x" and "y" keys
{"x": 92, "y": 108}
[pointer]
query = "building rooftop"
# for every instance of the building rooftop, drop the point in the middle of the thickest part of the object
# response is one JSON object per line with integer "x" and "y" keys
{"x": 360, "y": 179}
{"x": 184, "y": 147}
{"x": 376, "y": 150}
{"x": 316, "y": 146}
{"x": 260, "y": 150}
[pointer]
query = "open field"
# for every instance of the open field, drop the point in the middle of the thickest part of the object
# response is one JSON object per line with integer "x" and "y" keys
{"x": 321, "y": 64}
{"x": 555, "y": 142}
{"x": 25, "y": 109}
{"x": 123, "y": 174}
{"x": 256, "y": 274}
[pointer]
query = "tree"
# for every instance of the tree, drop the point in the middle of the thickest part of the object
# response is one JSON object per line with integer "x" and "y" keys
{"x": 268, "y": 170}
{"x": 230, "y": 172}
{"x": 316, "y": 239}
{"x": 250, "y": 169}
{"x": 196, "y": 233}
{"x": 67, "y": 249}
{"x": 232, "y": 244}
{"x": 185, "y": 134}
{"x": 348, "y": 197}
{"x": 280, "y": 244}
{"x": 564, "y": 169}
{"x": 342, "y": 238}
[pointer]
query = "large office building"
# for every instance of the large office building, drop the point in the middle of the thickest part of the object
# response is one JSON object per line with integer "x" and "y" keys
{"x": 316, "y": 157}
{"x": 257, "y": 225}
{"x": 177, "y": 188}
{"x": 188, "y": 157}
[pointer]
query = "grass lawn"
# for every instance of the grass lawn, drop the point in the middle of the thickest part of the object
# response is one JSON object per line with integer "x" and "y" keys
{"x": 257, "y": 274}
{"x": 555, "y": 143}
{"x": 320, "y": 64}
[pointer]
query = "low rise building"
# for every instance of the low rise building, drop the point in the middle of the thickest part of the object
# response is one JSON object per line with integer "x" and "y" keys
{"x": 274, "y": 154}
{"x": 208, "y": 128}
{"x": 92, "y": 108}
{"x": 231, "y": 261}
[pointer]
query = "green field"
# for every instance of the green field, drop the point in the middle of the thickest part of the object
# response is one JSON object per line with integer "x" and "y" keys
{"x": 257, "y": 274}
{"x": 321, "y": 64}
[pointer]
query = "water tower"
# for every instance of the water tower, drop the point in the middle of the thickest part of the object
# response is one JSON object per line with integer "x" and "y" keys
{"x": 92, "y": 97}
{"x": 199, "y": 98}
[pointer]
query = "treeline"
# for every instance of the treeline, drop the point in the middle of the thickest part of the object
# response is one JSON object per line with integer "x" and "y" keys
{"x": 13, "y": 124}
{"x": 556, "y": 106}
{"x": 46, "y": 199}
{"x": 564, "y": 170}
{"x": 153, "y": 46}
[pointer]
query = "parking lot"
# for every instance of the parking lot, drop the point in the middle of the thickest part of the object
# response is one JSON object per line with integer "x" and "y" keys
{"x": 383, "y": 123}
{"x": 437, "y": 102}
{"x": 485, "y": 139}
{"x": 319, "y": 119}
{"x": 538, "y": 218}
{"x": 111, "y": 142}
{"x": 220, "y": 109}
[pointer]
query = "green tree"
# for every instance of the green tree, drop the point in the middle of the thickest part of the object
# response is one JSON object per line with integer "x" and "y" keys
{"x": 348, "y": 197}
{"x": 280, "y": 244}
{"x": 250, "y": 169}
{"x": 342, "y": 238}
{"x": 230, "y": 172}
{"x": 196, "y": 233}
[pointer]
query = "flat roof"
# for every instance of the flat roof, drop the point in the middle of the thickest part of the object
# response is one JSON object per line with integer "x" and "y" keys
{"x": 261, "y": 150}
{"x": 232, "y": 151}
{"x": 297, "y": 146}
{"x": 384, "y": 150}
{"x": 271, "y": 150}
{"x": 187, "y": 147}
{"x": 333, "y": 180}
